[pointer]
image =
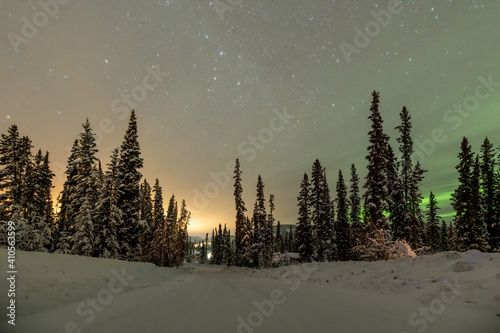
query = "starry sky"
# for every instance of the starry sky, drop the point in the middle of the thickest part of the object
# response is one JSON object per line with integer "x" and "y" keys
{"x": 276, "y": 84}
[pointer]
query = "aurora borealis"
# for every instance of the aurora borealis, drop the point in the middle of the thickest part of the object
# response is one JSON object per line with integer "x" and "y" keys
{"x": 275, "y": 84}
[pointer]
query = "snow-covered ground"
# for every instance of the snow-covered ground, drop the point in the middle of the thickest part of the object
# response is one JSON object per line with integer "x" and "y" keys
{"x": 447, "y": 292}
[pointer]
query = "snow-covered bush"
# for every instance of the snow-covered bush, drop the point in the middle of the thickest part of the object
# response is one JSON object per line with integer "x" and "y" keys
{"x": 380, "y": 247}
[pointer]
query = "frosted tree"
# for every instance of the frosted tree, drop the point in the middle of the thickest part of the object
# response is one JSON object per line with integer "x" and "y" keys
{"x": 15, "y": 154}
{"x": 65, "y": 217}
{"x": 445, "y": 237}
{"x": 460, "y": 198}
{"x": 489, "y": 188}
{"x": 83, "y": 238}
{"x": 240, "y": 215}
{"x": 259, "y": 220}
{"x": 129, "y": 164}
{"x": 342, "y": 224}
{"x": 304, "y": 236}
{"x": 417, "y": 228}
{"x": 280, "y": 246}
{"x": 109, "y": 214}
{"x": 354, "y": 203}
{"x": 158, "y": 250}
{"x": 433, "y": 232}
{"x": 478, "y": 233}
{"x": 376, "y": 185}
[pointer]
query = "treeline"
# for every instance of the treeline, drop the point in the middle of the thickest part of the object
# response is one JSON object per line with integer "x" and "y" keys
{"x": 107, "y": 214}
{"x": 386, "y": 220}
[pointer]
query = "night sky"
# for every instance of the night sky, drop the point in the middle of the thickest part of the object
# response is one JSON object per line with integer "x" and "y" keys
{"x": 276, "y": 84}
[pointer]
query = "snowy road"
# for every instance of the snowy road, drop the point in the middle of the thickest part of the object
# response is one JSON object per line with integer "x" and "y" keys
{"x": 212, "y": 300}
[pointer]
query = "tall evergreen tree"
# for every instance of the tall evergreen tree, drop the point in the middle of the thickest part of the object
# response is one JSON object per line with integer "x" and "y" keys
{"x": 342, "y": 226}
{"x": 376, "y": 185}
{"x": 15, "y": 153}
{"x": 65, "y": 218}
{"x": 489, "y": 187}
{"x": 478, "y": 233}
{"x": 260, "y": 226}
{"x": 461, "y": 197}
{"x": 417, "y": 228}
{"x": 83, "y": 238}
{"x": 304, "y": 237}
{"x": 434, "y": 237}
{"x": 129, "y": 165}
{"x": 109, "y": 214}
{"x": 445, "y": 237}
{"x": 240, "y": 216}
{"x": 280, "y": 246}
{"x": 159, "y": 245}
{"x": 322, "y": 217}
{"x": 354, "y": 203}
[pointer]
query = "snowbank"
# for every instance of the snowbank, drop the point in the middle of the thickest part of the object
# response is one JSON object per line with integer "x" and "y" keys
{"x": 45, "y": 281}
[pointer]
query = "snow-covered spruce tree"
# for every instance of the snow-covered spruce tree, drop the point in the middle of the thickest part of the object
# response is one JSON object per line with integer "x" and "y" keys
{"x": 329, "y": 234}
{"x": 321, "y": 214}
{"x": 146, "y": 204}
{"x": 84, "y": 193}
{"x": 42, "y": 218}
{"x": 240, "y": 216}
{"x": 417, "y": 228}
{"x": 452, "y": 237}
{"x": 181, "y": 234}
{"x": 146, "y": 220}
{"x": 433, "y": 232}
{"x": 15, "y": 153}
{"x": 267, "y": 236}
{"x": 83, "y": 239}
{"x": 461, "y": 197}
{"x": 354, "y": 203}
{"x": 280, "y": 245}
{"x": 66, "y": 215}
{"x": 344, "y": 247}
{"x": 259, "y": 220}
{"x": 479, "y": 233}
{"x": 376, "y": 194}
{"x": 229, "y": 254}
{"x": 489, "y": 186}
{"x": 203, "y": 253}
{"x": 171, "y": 228}
{"x": 444, "y": 237}
{"x": 401, "y": 218}
{"x": 304, "y": 236}
{"x": 158, "y": 246}
{"x": 109, "y": 216}
{"x": 129, "y": 164}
